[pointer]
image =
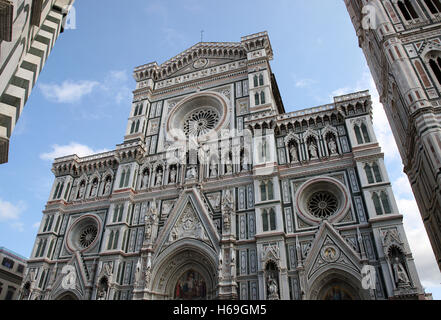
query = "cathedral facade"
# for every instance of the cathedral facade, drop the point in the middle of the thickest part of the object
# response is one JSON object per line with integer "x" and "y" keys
{"x": 402, "y": 44}
{"x": 218, "y": 193}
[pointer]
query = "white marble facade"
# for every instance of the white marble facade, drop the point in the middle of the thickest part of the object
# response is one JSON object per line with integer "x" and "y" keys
{"x": 218, "y": 193}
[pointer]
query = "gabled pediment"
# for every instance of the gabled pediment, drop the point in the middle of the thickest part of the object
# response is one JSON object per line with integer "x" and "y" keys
{"x": 71, "y": 277}
{"x": 190, "y": 220}
{"x": 330, "y": 250}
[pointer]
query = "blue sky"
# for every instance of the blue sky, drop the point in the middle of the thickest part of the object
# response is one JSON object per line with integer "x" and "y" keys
{"x": 82, "y": 99}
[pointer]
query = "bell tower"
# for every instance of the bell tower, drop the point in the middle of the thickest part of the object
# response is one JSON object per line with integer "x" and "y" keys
{"x": 402, "y": 44}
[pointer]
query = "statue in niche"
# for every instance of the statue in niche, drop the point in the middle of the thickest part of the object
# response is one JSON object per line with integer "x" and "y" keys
{"x": 228, "y": 165}
{"x": 220, "y": 267}
{"x": 213, "y": 170}
{"x": 400, "y": 273}
{"x": 332, "y": 146}
{"x": 312, "y": 150}
{"x": 227, "y": 209}
{"x": 150, "y": 219}
{"x": 159, "y": 175}
{"x": 81, "y": 191}
{"x": 293, "y": 153}
{"x": 101, "y": 295}
{"x": 107, "y": 187}
{"x": 191, "y": 173}
{"x": 173, "y": 174}
{"x": 244, "y": 163}
{"x": 145, "y": 179}
{"x": 94, "y": 189}
{"x": 233, "y": 263}
{"x": 148, "y": 273}
{"x": 138, "y": 273}
{"x": 272, "y": 288}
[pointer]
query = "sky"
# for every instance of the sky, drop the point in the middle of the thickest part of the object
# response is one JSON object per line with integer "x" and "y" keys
{"x": 82, "y": 98}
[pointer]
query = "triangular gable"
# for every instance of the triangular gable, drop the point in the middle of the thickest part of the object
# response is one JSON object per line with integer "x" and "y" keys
{"x": 189, "y": 219}
{"x": 330, "y": 249}
{"x": 77, "y": 282}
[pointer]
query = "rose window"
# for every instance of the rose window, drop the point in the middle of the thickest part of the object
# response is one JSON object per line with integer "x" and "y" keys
{"x": 200, "y": 122}
{"x": 88, "y": 235}
{"x": 322, "y": 204}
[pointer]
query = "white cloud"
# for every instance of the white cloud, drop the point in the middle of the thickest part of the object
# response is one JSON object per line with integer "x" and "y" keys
{"x": 70, "y": 149}
{"x": 303, "y": 83}
{"x": 17, "y": 226}
{"x": 69, "y": 91}
{"x": 9, "y": 211}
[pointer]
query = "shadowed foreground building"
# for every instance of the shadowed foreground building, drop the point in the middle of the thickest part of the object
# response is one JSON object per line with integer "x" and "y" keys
{"x": 12, "y": 267}
{"x": 28, "y": 31}
{"x": 217, "y": 193}
{"x": 402, "y": 44}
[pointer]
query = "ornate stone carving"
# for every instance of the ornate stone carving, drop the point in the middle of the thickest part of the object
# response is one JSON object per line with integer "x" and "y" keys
{"x": 227, "y": 209}
{"x": 188, "y": 226}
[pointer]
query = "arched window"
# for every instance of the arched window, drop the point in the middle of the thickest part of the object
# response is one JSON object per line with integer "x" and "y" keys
{"x": 262, "y": 97}
{"x": 57, "y": 224}
{"x": 272, "y": 216}
{"x": 137, "y": 126}
{"x": 257, "y": 99}
{"x": 377, "y": 172}
{"x": 121, "y": 211}
{"x": 377, "y": 204}
{"x": 115, "y": 240}
{"x": 67, "y": 191}
{"x": 364, "y": 130}
{"x": 115, "y": 213}
{"x": 385, "y": 202}
{"x": 126, "y": 182}
{"x": 110, "y": 242}
{"x": 43, "y": 248}
{"x": 136, "y": 111}
{"x": 434, "y": 6}
{"x": 132, "y": 129}
{"x": 56, "y": 191}
{"x": 369, "y": 175}
{"x": 263, "y": 195}
{"x": 358, "y": 134}
{"x": 38, "y": 248}
{"x": 270, "y": 190}
{"x": 123, "y": 177}
{"x": 141, "y": 107}
{"x": 124, "y": 241}
{"x": 435, "y": 65}
{"x": 256, "y": 83}
{"x": 407, "y": 10}
{"x": 265, "y": 220}
{"x": 261, "y": 79}
{"x": 51, "y": 221}
{"x": 50, "y": 249}
{"x": 46, "y": 223}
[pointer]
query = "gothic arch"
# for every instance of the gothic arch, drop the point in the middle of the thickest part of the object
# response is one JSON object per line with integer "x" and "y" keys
{"x": 337, "y": 277}
{"x": 182, "y": 256}
{"x": 67, "y": 295}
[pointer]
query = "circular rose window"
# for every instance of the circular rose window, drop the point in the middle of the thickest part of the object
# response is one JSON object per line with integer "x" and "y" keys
{"x": 322, "y": 204}
{"x": 197, "y": 116}
{"x": 83, "y": 234}
{"x": 322, "y": 198}
{"x": 201, "y": 121}
{"x": 88, "y": 235}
